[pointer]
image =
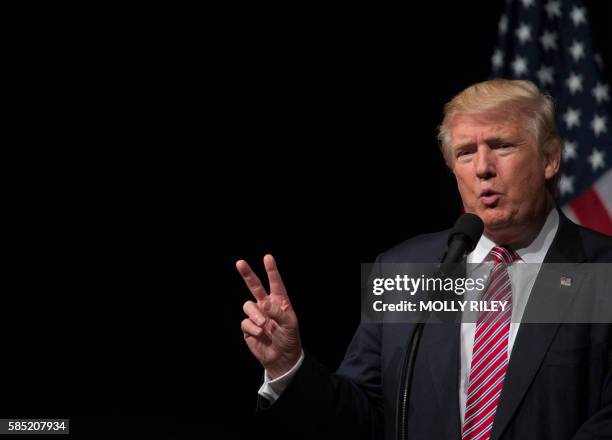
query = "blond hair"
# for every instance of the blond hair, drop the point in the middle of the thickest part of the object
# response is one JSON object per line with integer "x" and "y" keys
{"x": 502, "y": 99}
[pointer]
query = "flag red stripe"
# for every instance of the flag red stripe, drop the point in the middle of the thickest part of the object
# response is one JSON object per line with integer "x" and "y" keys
{"x": 591, "y": 212}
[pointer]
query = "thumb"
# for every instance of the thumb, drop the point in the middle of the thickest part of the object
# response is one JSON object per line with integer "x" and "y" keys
{"x": 280, "y": 311}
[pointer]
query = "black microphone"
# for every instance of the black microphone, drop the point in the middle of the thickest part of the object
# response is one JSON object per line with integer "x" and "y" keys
{"x": 461, "y": 240}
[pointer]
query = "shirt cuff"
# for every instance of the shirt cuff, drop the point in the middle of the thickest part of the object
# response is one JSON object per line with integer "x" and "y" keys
{"x": 272, "y": 389}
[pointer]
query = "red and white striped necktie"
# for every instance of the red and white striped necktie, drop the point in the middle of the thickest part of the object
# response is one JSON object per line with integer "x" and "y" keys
{"x": 490, "y": 355}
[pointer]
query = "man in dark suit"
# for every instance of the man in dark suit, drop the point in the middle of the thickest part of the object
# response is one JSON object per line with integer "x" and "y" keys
{"x": 513, "y": 378}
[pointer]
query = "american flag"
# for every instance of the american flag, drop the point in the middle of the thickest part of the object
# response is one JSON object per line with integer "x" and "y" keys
{"x": 549, "y": 43}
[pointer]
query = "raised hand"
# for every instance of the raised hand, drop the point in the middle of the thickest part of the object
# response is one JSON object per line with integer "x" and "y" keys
{"x": 271, "y": 328}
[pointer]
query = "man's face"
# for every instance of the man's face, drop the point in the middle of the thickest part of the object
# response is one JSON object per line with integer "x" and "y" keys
{"x": 501, "y": 174}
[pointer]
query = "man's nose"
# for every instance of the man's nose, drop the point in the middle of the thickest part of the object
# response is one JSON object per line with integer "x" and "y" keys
{"x": 485, "y": 162}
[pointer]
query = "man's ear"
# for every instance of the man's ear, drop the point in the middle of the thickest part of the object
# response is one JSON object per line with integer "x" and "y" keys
{"x": 552, "y": 160}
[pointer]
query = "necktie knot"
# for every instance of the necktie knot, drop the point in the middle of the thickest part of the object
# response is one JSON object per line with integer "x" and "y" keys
{"x": 504, "y": 254}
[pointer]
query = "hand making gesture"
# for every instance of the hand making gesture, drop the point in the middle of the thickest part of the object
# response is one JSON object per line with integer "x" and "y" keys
{"x": 271, "y": 328}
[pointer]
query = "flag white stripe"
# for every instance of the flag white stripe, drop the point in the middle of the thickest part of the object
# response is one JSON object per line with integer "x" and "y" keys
{"x": 603, "y": 186}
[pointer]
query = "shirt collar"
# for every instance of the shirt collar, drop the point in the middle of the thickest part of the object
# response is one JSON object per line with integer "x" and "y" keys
{"x": 532, "y": 253}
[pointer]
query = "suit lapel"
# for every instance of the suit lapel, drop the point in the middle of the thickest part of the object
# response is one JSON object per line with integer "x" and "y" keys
{"x": 533, "y": 340}
{"x": 441, "y": 343}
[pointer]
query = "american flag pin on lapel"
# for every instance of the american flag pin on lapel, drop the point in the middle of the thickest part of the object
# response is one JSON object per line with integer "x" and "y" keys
{"x": 566, "y": 281}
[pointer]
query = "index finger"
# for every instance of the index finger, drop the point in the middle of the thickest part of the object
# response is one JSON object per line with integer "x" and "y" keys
{"x": 274, "y": 278}
{"x": 251, "y": 280}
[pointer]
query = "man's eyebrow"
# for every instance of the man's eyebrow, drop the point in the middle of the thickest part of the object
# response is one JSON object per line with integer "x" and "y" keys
{"x": 468, "y": 144}
{"x": 494, "y": 140}
{"x": 497, "y": 140}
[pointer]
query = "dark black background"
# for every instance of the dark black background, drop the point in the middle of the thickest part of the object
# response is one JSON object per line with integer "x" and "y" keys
{"x": 189, "y": 144}
{"x": 325, "y": 155}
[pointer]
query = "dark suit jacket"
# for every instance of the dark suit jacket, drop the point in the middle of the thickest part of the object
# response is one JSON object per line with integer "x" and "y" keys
{"x": 558, "y": 384}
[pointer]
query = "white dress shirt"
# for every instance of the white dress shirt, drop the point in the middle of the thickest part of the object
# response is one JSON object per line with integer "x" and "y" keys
{"x": 272, "y": 389}
{"x": 521, "y": 280}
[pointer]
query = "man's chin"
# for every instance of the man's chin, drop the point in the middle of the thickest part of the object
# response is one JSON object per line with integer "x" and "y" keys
{"x": 495, "y": 222}
{"x": 493, "y": 219}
